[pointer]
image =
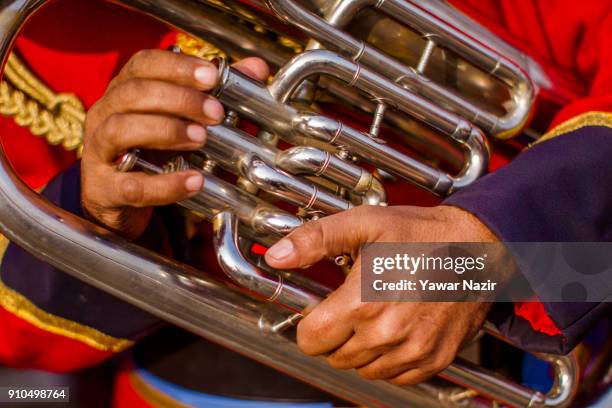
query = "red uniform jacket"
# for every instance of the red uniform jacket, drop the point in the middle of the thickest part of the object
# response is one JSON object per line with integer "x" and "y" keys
{"x": 76, "y": 46}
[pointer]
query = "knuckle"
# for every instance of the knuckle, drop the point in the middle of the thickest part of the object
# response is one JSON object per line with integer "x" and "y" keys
{"x": 131, "y": 190}
{"x": 386, "y": 335}
{"x": 109, "y": 134}
{"x": 423, "y": 349}
{"x": 90, "y": 118}
{"x": 131, "y": 90}
{"x": 366, "y": 310}
{"x": 113, "y": 125}
{"x": 92, "y": 148}
{"x": 312, "y": 235}
{"x": 308, "y": 333}
{"x": 139, "y": 58}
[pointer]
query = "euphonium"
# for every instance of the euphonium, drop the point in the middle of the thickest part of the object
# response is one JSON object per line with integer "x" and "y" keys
{"x": 440, "y": 90}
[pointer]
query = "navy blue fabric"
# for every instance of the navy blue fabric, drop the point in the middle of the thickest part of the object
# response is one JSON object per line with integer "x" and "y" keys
{"x": 62, "y": 295}
{"x": 557, "y": 191}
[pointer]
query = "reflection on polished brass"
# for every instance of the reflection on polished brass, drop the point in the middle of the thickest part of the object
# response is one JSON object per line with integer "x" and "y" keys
{"x": 328, "y": 166}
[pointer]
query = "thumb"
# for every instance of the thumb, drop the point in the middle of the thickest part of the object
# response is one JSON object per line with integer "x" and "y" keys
{"x": 329, "y": 236}
{"x": 254, "y": 67}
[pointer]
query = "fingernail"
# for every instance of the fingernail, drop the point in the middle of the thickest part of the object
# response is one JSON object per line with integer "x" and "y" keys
{"x": 281, "y": 249}
{"x": 194, "y": 183}
{"x": 213, "y": 109}
{"x": 206, "y": 75}
{"x": 196, "y": 133}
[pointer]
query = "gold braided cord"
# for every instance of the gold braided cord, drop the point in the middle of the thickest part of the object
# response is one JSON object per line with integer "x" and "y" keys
{"x": 59, "y": 117}
{"x": 593, "y": 118}
{"x": 198, "y": 47}
{"x": 21, "y": 307}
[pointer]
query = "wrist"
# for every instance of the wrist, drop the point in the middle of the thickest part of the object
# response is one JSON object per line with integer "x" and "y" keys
{"x": 468, "y": 226}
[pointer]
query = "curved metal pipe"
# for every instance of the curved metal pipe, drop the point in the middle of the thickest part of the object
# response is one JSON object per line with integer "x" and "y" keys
{"x": 308, "y": 196}
{"x": 230, "y": 146}
{"x": 313, "y": 161}
{"x": 566, "y": 381}
{"x": 318, "y": 62}
{"x": 165, "y": 288}
{"x": 171, "y": 291}
{"x": 335, "y": 39}
{"x": 218, "y": 195}
{"x": 322, "y": 61}
{"x": 204, "y": 21}
{"x": 379, "y": 154}
{"x": 241, "y": 271}
{"x": 475, "y": 164}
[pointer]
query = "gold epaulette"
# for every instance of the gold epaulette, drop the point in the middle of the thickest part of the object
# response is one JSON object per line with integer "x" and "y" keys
{"x": 58, "y": 117}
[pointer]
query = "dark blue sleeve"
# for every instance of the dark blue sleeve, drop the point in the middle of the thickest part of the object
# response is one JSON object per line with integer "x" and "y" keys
{"x": 60, "y": 294}
{"x": 559, "y": 190}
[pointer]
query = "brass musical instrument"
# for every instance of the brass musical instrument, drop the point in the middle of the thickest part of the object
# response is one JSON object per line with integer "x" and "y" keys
{"x": 443, "y": 103}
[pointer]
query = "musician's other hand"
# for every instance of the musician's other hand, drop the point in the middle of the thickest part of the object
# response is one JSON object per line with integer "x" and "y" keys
{"x": 403, "y": 342}
{"x": 157, "y": 101}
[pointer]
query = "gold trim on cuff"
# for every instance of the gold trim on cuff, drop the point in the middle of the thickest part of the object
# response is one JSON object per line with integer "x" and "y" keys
{"x": 593, "y": 118}
{"x": 21, "y": 307}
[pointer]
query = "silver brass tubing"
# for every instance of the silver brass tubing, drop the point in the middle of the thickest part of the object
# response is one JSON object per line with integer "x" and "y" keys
{"x": 490, "y": 385}
{"x": 232, "y": 147}
{"x": 379, "y": 154}
{"x": 215, "y": 26}
{"x": 252, "y": 100}
{"x": 327, "y": 62}
{"x": 567, "y": 380}
{"x": 219, "y": 201}
{"x": 194, "y": 301}
{"x": 438, "y": 146}
{"x": 169, "y": 290}
{"x": 333, "y": 38}
{"x": 566, "y": 374}
{"x": 290, "y": 189}
{"x": 265, "y": 106}
{"x": 310, "y": 160}
{"x": 218, "y": 195}
{"x": 239, "y": 153}
{"x": 245, "y": 274}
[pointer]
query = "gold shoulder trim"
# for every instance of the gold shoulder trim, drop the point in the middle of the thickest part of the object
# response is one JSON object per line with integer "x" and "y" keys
{"x": 21, "y": 307}
{"x": 593, "y": 118}
{"x": 59, "y": 117}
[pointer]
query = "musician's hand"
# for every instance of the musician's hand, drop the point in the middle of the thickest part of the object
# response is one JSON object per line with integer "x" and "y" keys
{"x": 157, "y": 101}
{"x": 403, "y": 342}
